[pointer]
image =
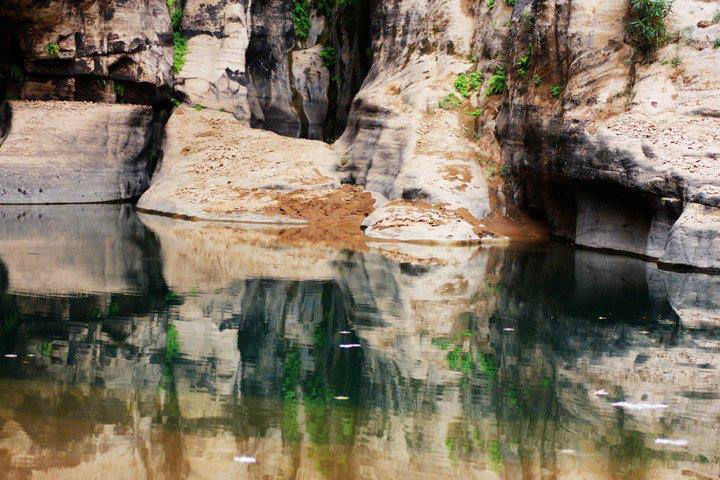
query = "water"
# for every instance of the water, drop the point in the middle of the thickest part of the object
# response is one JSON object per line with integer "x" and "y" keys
{"x": 146, "y": 347}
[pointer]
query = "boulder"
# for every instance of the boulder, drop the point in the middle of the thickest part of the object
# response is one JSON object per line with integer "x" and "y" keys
{"x": 73, "y": 152}
{"x": 217, "y": 168}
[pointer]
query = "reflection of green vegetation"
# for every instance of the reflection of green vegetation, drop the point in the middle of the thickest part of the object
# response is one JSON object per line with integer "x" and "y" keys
{"x": 291, "y": 380}
{"x": 172, "y": 344}
{"x": 630, "y": 459}
{"x": 10, "y": 322}
{"x": 114, "y": 307}
{"x": 486, "y": 365}
{"x": 441, "y": 343}
{"x": 45, "y": 348}
{"x": 495, "y": 457}
{"x": 460, "y": 361}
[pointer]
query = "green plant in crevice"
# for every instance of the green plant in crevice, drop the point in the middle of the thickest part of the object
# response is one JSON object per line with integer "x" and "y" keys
{"x": 16, "y": 73}
{"x": 716, "y": 17}
{"x": 176, "y": 13}
{"x": 119, "y": 89}
{"x": 329, "y": 57}
{"x": 460, "y": 361}
{"x": 646, "y": 25}
{"x": 301, "y": 18}
{"x": 537, "y": 80}
{"x": 172, "y": 344}
{"x": 45, "y": 348}
{"x": 497, "y": 82}
{"x": 468, "y": 82}
{"x": 676, "y": 61}
{"x": 450, "y": 102}
{"x": 198, "y": 107}
{"x": 490, "y": 4}
{"x": 523, "y": 65}
{"x": 556, "y": 91}
{"x": 717, "y": 43}
{"x": 475, "y": 113}
{"x": 175, "y": 102}
{"x": 180, "y": 48}
{"x": 510, "y": 3}
{"x": 52, "y": 49}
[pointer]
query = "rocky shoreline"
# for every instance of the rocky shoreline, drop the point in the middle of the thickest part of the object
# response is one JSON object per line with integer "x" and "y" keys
{"x": 442, "y": 122}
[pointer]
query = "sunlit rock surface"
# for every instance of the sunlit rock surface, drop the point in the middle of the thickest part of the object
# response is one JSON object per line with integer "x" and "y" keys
{"x": 408, "y": 360}
{"x": 71, "y": 152}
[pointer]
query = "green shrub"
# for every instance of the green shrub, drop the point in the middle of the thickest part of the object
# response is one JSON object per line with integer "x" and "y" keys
{"x": 497, "y": 83}
{"x": 450, "y": 102}
{"x": 717, "y": 43}
{"x": 490, "y": 4}
{"x": 716, "y": 17}
{"x": 646, "y": 24}
{"x": 676, "y": 61}
{"x": 537, "y": 80}
{"x": 301, "y": 18}
{"x": 523, "y": 65}
{"x": 475, "y": 113}
{"x": 176, "y": 14}
{"x": 180, "y": 45}
{"x": 468, "y": 82}
{"x": 329, "y": 57}
{"x": 52, "y": 49}
{"x": 198, "y": 108}
{"x": 556, "y": 91}
{"x": 175, "y": 102}
{"x": 510, "y": 3}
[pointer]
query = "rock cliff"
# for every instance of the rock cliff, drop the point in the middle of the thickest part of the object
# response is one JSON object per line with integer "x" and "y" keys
{"x": 451, "y": 113}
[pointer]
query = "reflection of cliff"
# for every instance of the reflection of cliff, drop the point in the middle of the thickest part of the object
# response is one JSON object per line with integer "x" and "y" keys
{"x": 72, "y": 249}
{"x": 479, "y": 364}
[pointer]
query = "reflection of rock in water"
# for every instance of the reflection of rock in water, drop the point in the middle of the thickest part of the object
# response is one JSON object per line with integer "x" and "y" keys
{"x": 76, "y": 248}
{"x": 481, "y": 365}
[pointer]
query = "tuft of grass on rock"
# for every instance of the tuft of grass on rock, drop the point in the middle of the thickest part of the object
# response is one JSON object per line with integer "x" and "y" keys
{"x": 468, "y": 82}
{"x": 556, "y": 91}
{"x": 52, "y": 49}
{"x": 180, "y": 45}
{"x": 450, "y": 102}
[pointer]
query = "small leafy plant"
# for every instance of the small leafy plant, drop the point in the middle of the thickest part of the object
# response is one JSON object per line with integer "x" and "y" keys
{"x": 450, "y": 102}
{"x": 198, "y": 107}
{"x": 180, "y": 44}
{"x": 523, "y": 65}
{"x": 510, "y": 3}
{"x": 119, "y": 92}
{"x": 556, "y": 91}
{"x": 301, "y": 18}
{"x": 468, "y": 82}
{"x": 497, "y": 82}
{"x": 716, "y": 17}
{"x": 329, "y": 57}
{"x": 475, "y": 113}
{"x": 537, "y": 80}
{"x": 716, "y": 45}
{"x": 490, "y": 4}
{"x": 52, "y": 49}
{"x": 646, "y": 24}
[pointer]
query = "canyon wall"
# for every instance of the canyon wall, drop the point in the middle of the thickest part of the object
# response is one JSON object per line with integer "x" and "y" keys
{"x": 447, "y": 111}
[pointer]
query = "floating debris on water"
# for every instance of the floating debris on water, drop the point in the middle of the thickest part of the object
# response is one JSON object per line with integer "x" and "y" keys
{"x": 639, "y": 406}
{"x": 602, "y": 318}
{"x": 345, "y": 332}
{"x": 568, "y": 451}
{"x": 10, "y": 355}
{"x": 644, "y": 332}
{"x": 341, "y": 397}
{"x": 667, "y": 441}
{"x": 244, "y": 459}
{"x": 350, "y": 345}
{"x": 508, "y": 329}
{"x": 601, "y": 393}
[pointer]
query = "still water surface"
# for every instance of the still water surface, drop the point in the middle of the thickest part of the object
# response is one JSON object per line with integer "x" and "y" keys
{"x": 135, "y": 346}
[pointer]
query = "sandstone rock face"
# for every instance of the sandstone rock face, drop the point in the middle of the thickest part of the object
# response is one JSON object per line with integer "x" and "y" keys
{"x": 93, "y": 42}
{"x": 214, "y": 74}
{"x": 217, "y": 168}
{"x": 69, "y": 152}
{"x": 395, "y": 124}
{"x": 624, "y": 147}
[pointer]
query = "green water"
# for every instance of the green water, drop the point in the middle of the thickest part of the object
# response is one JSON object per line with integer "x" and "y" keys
{"x": 146, "y": 347}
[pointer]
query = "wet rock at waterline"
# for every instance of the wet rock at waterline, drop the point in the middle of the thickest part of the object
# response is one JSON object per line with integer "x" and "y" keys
{"x": 72, "y": 152}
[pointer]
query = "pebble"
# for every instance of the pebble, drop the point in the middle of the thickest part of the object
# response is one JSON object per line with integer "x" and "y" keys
{"x": 244, "y": 459}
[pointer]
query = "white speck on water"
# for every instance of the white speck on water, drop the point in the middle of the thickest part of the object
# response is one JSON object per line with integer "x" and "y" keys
{"x": 350, "y": 345}
{"x": 601, "y": 393}
{"x": 344, "y": 332}
{"x": 31, "y": 355}
{"x": 639, "y": 406}
{"x": 667, "y": 441}
{"x": 644, "y": 332}
{"x": 602, "y": 318}
{"x": 244, "y": 459}
{"x": 10, "y": 355}
{"x": 341, "y": 397}
{"x": 568, "y": 451}
{"x": 508, "y": 329}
